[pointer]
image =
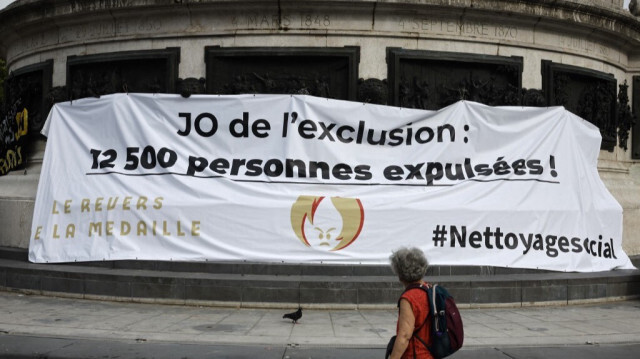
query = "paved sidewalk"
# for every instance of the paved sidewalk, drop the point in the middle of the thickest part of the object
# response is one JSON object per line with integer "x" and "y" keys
{"x": 25, "y": 315}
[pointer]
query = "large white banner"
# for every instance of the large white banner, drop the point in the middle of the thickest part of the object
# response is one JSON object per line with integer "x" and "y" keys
{"x": 276, "y": 178}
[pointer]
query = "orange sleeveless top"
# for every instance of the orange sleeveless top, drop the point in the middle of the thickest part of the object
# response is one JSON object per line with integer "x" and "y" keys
{"x": 418, "y": 300}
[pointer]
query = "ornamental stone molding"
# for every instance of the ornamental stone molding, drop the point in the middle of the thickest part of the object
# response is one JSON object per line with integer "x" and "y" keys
{"x": 594, "y": 30}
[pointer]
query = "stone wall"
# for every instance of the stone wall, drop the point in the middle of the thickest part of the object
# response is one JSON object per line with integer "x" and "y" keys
{"x": 597, "y": 35}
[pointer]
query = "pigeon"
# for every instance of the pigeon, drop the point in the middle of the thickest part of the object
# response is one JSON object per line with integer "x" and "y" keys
{"x": 294, "y": 316}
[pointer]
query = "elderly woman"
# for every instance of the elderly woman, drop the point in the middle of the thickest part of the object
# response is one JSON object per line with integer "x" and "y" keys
{"x": 410, "y": 265}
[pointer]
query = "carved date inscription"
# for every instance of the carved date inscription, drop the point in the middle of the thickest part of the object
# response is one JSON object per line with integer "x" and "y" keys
{"x": 87, "y": 31}
{"x": 582, "y": 44}
{"x": 275, "y": 21}
{"x": 462, "y": 28}
{"x": 83, "y": 5}
{"x": 105, "y": 29}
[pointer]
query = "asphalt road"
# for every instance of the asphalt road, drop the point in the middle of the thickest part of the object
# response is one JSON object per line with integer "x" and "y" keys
{"x": 17, "y": 346}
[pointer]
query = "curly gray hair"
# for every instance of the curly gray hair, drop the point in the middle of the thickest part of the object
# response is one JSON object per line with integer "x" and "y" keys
{"x": 409, "y": 264}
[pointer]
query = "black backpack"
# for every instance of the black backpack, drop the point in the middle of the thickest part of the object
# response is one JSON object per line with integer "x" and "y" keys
{"x": 447, "y": 333}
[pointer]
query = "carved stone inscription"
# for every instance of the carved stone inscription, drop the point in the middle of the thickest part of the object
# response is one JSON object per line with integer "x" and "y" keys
{"x": 583, "y": 45}
{"x": 88, "y": 31}
{"x": 108, "y": 28}
{"x": 454, "y": 27}
{"x": 83, "y": 5}
{"x": 308, "y": 20}
{"x": 422, "y": 24}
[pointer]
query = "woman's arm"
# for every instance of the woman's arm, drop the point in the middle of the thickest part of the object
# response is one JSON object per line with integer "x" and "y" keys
{"x": 406, "y": 326}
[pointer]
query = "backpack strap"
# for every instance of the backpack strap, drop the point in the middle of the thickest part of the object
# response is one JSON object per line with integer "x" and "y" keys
{"x": 426, "y": 319}
{"x": 415, "y": 335}
{"x": 415, "y": 286}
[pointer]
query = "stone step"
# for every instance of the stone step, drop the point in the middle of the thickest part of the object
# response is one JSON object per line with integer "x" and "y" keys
{"x": 284, "y": 285}
{"x": 248, "y": 268}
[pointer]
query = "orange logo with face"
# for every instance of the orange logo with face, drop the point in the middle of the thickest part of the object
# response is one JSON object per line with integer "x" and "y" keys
{"x": 327, "y": 224}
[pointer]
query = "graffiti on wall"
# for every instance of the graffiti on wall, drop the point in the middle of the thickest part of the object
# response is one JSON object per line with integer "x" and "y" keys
{"x": 14, "y": 126}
